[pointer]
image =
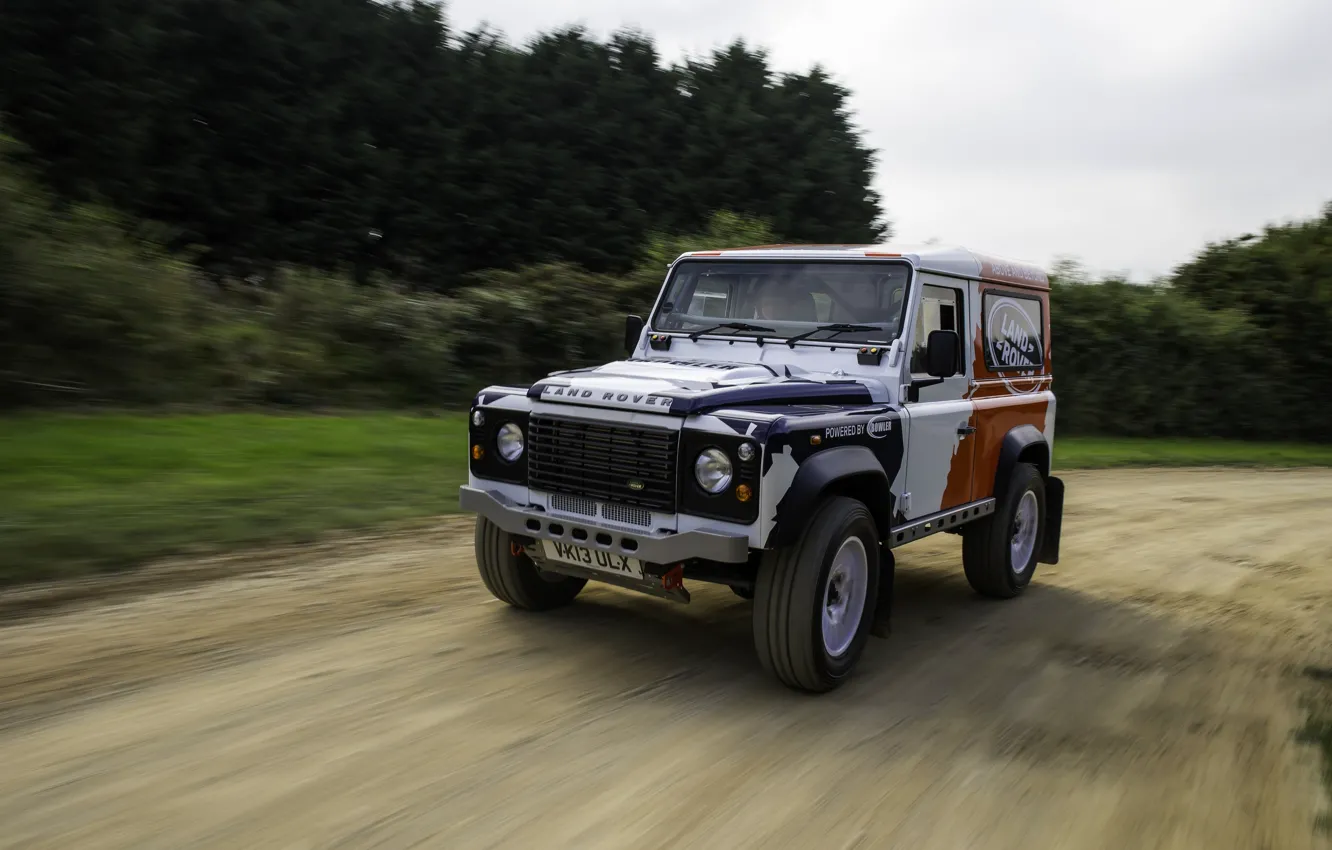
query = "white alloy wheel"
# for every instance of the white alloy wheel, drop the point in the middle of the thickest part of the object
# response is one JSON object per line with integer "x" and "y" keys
{"x": 1026, "y": 524}
{"x": 844, "y": 596}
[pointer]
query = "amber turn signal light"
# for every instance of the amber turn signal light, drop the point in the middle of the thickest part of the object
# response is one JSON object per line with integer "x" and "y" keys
{"x": 478, "y": 452}
{"x": 743, "y": 493}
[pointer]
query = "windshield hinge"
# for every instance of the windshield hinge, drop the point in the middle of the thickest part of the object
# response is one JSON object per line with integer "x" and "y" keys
{"x": 660, "y": 342}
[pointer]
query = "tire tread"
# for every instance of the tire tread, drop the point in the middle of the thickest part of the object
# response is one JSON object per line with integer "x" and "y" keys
{"x": 985, "y": 542}
{"x": 513, "y": 579}
{"x": 784, "y": 600}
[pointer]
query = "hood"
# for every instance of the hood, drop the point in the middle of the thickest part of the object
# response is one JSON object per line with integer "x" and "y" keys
{"x": 682, "y": 387}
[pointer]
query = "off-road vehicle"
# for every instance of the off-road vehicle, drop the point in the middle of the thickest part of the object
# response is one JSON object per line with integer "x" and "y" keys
{"x": 785, "y": 419}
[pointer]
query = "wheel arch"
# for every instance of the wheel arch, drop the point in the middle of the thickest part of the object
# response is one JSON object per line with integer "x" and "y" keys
{"x": 851, "y": 471}
{"x": 1023, "y": 444}
{"x": 1026, "y": 444}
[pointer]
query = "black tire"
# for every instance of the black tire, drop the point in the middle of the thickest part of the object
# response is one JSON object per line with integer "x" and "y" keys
{"x": 986, "y": 552}
{"x": 789, "y": 599}
{"x": 743, "y": 592}
{"x": 514, "y": 578}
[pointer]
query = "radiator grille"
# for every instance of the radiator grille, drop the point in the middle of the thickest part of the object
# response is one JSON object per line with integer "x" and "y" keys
{"x": 573, "y": 505}
{"x": 627, "y": 514}
{"x": 625, "y": 464}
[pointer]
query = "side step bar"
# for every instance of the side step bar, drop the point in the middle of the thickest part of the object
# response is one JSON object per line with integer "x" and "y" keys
{"x": 941, "y": 521}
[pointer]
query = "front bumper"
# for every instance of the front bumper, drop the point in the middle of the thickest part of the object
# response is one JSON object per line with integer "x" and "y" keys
{"x": 652, "y": 547}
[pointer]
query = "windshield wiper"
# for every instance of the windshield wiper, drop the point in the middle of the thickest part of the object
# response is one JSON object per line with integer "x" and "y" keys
{"x": 838, "y": 328}
{"x": 734, "y": 326}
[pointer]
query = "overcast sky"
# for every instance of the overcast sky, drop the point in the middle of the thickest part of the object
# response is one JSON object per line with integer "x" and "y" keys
{"x": 1125, "y": 133}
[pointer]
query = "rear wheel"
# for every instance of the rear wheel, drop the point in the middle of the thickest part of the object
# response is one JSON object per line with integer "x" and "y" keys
{"x": 999, "y": 552}
{"x": 814, "y": 600}
{"x": 512, "y": 576}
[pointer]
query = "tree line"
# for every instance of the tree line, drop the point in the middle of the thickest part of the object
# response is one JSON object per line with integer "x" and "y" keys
{"x": 369, "y": 137}
{"x": 344, "y": 203}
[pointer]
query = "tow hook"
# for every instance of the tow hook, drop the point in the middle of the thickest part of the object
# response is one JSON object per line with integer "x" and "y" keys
{"x": 673, "y": 579}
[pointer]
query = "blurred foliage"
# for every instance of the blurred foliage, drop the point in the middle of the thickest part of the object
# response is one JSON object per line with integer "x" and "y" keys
{"x": 87, "y": 310}
{"x": 90, "y": 314}
{"x": 1147, "y": 361}
{"x": 1281, "y": 281}
{"x": 369, "y": 137}
{"x": 1234, "y": 345}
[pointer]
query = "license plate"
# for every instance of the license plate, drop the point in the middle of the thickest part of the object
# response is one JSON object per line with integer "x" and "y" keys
{"x": 593, "y": 559}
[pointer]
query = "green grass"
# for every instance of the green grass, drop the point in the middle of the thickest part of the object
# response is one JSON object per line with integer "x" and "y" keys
{"x": 1106, "y": 452}
{"x": 102, "y": 492}
{"x": 86, "y": 493}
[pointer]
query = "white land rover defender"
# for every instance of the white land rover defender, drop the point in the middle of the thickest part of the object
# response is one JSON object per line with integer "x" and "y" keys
{"x": 786, "y": 418}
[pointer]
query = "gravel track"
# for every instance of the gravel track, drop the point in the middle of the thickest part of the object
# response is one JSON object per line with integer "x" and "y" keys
{"x": 1143, "y": 694}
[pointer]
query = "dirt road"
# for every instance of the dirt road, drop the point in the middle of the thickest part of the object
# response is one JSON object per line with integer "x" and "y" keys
{"x": 1143, "y": 694}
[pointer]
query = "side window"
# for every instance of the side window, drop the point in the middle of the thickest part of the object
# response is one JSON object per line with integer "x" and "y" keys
{"x": 711, "y": 297}
{"x": 940, "y": 310}
{"x": 874, "y": 299}
{"x": 1014, "y": 338}
{"x": 823, "y": 306}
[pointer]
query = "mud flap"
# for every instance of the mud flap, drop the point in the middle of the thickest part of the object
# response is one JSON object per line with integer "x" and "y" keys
{"x": 883, "y": 608}
{"x": 1054, "y": 520}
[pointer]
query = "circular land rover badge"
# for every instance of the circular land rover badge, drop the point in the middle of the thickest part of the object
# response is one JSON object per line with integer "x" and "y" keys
{"x": 1014, "y": 342}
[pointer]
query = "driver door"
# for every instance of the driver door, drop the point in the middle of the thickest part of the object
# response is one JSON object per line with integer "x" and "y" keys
{"x": 940, "y": 425}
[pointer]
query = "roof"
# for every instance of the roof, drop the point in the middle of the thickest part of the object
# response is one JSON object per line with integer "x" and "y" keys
{"x": 949, "y": 260}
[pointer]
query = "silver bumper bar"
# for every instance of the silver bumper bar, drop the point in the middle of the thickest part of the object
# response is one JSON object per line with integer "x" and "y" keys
{"x": 653, "y": 547}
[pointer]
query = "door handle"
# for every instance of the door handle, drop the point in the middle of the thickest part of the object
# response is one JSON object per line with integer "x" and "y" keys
{"x": 964, "y": 430}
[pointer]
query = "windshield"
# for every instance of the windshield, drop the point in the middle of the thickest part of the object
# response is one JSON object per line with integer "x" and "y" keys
{"x": 780, "y": 300}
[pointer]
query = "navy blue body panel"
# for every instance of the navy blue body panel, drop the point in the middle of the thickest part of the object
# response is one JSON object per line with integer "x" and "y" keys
{"x": 684, "y": 403}
{"x": 858, "y": 452}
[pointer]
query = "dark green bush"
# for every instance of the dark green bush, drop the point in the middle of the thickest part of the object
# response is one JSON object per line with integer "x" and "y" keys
{"x": 1147, "y": 361}
{"x": 88, "y": 313}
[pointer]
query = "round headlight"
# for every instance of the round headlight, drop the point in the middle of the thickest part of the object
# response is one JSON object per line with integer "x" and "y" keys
{"x": 712, "y": 470}
{"x": 478, "y": 418}
{"x": 509, "y": 442}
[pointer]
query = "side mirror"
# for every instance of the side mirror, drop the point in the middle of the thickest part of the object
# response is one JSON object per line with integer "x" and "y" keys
{"x": 941, "y": 357}
{"x": 633, "y": 329}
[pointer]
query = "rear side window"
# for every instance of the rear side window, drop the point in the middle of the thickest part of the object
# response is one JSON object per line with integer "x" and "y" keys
{"x": 1014, "y": 332}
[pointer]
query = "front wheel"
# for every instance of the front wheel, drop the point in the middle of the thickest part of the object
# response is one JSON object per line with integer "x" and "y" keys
{"x": 814, "y": 600}
{"x": 999, "y": 553}
{"x": 512, "y": 576}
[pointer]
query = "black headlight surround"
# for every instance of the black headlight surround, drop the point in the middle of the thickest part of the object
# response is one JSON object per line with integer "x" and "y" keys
{"x": 491, "y": 466}
{"x": 696, "y": 501}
